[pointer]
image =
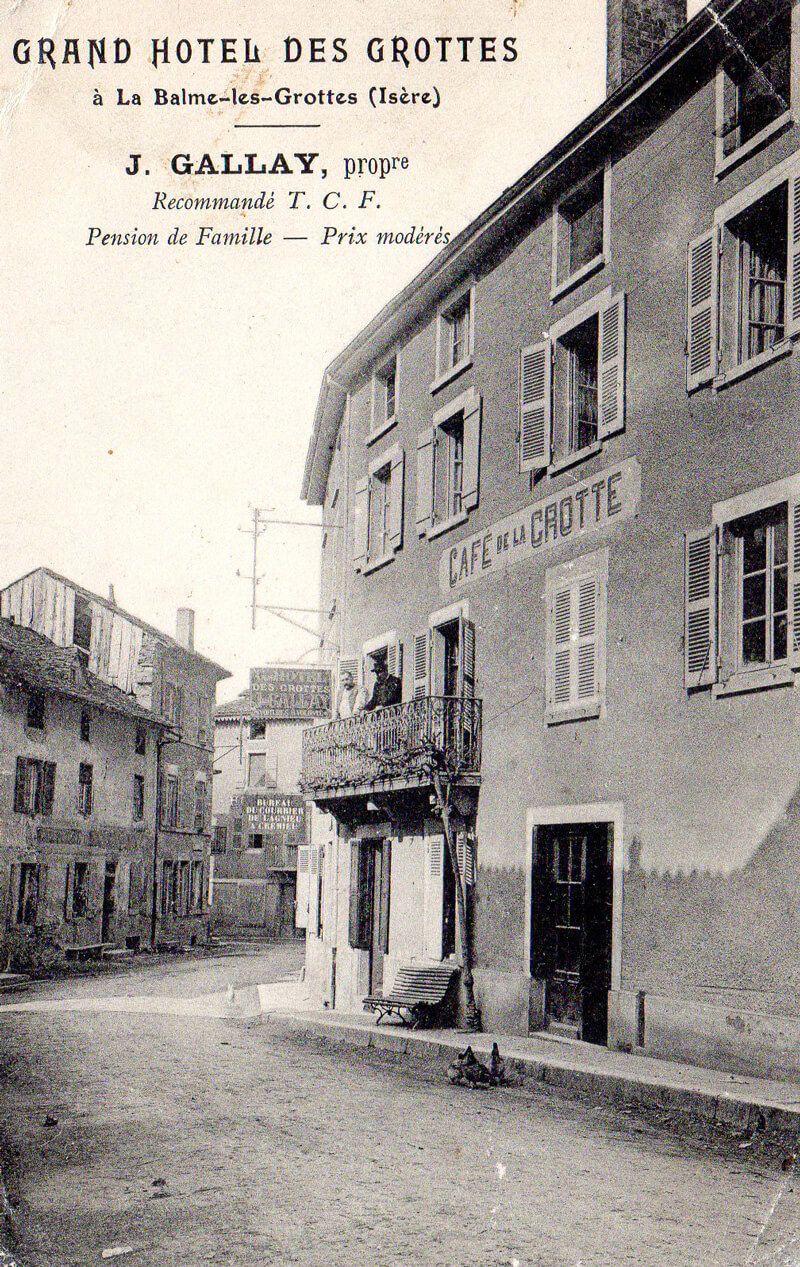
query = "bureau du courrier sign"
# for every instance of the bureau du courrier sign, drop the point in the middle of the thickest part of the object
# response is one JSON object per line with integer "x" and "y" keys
{"x": 574, "y": 513}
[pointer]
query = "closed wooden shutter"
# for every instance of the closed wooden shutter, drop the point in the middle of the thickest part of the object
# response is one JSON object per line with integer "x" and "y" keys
{"x": 794, "y": 581}
{"x": 700, "y": 608}
{"x": 354, "y": 922}
{"x": 466, "y": 659}
{"x": 433, "y": 906}
{"x": 421, "y": 657}
{"x": 301, "y": 914}
{"x": 464, "y": 852}
{"x": 48, "y": 787}
{"x": 470, "y": 478}
{"x": 793, "y": 281}
{"x": 701, "y": 328}
{"x": 534, "y": 406}
{"x": 424, "y": 511}
{"x": 611, "y": 368}
{"x": 349, "y": 664}
{"x": 361, "y": 523}
{"x": 396, "y": 494}
{"x": 576, "y": 642}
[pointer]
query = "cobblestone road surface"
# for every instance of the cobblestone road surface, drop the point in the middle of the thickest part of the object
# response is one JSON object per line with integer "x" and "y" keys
{"x": 198, "y": 1140}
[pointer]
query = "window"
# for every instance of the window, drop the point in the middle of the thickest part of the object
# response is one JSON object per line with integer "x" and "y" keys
{"x": 34, "y": 786}
{"x": 85, "y": 795}
{"x": 236, "y": 841}
{"x": 173, "y": 704}
{"x": 140, "y": 743}
{"x": 80, "y": 890}
{"x": 575, "y": 669}
{"x": 579, "y": 232}
{"x": 170, "y": 816}
{"x": 378, "y": 517}
{"x": 255, "y": 840}
{"x": 257, "y": 769}
{"x": 743, "y": 301}
{"x": 220, "y": 838}
{"x": 448, "y": 465}
{"x": 197, "y": 886}
{"x": 28, "y": 895}
{"x": 86, "y": 726}
{"x": 138, "y": 796}
{"x": 754, "y": 89}
{"x": 136, "y": 889}
{"x": 384, "y": 400}
{"x": 572, "y": 386}
{"x": 183, "y": 896}
{"x": 455, "y": 337}
{"x": 199, "y": 806}
{"x": 34, "y": 716}
{"x": 82, "y": 624}
{"x": 202, "y": 719}
{"x": 742, "y": 592}
{"x": 168, "y": 888}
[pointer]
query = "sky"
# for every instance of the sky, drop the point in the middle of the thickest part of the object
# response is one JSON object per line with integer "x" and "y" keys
{"x": 151, "y": 397}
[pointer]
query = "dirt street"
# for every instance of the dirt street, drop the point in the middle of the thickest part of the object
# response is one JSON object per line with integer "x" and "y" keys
{"x": 193, "y": 1139}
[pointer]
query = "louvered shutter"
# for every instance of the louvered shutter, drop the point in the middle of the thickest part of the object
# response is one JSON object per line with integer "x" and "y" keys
{"x": 700, "y": 608}
{"x": 701, "y": 328}
{"x": 354, "y": 922}
{"x": 313, "y": 889}
{"x": 586, "y": 675}
{"x": 534, "y": 406}
{"x": 48, "y": 787}
{"x": 794, "y": 582}
{"x": 386, "y": 884}
{"x": 433, "y": 905}
{"x": 350, "y": 664}
{"x": 41, "y": 900}
{"x": 470, "y": 479}
{"x": 466, "y": 659}
{"x": 611, "y": 368}
{"x": 424, "y": 512}
{"x": 793, "y": 287}
{"x": 464, "y": 852}
{"x": 301, "y": 913}
{"x": 421, "y": 654}
{"x": 396, "y": 494}
{"x": 560, "y": 659}
{"x": 360, "y": 523}
{"x": 394, "y": 658}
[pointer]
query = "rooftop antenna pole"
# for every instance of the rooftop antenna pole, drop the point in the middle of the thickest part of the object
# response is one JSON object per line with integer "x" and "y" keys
{"x": 259, "y": 524}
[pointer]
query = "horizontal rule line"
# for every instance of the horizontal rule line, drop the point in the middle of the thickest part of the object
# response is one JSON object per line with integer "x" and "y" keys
{"x": 277, "y": 125}
{"x": 297, "y": 239}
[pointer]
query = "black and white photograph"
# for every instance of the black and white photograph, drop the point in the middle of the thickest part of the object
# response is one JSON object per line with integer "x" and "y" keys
{"x": 400, "y": 634}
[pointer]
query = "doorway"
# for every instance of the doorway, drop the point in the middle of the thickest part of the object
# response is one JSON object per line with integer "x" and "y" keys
{"x": 108, "y": 899}
{"x": 370, "y": 890}
{"x": 571, "y": 923}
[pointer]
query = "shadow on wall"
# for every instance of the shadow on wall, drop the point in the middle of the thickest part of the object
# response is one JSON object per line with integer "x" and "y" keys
{"x": 498, "y": 918}
{"x": 736, "y": 931}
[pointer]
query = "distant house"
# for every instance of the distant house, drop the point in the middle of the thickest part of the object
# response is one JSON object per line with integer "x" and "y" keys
{"x": 77, "y": 804}
{"x": 168, "y": 679}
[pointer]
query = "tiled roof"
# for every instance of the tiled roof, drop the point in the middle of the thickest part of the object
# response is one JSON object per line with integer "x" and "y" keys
{"x": 34, "y": 661}
{"x": 239, "y": 709}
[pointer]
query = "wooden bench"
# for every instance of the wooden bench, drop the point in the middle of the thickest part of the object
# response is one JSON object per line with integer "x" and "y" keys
{"x": 91, "y": 951}
{"x": 418, "y": 992}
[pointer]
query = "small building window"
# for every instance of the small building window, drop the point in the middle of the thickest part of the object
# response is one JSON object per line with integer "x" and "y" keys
{"x": 581, "y": 349}
{"x": 28, "y": 895}
{"x": 170, "y": 815}
{"x": 140, "y": 746}
{"x": 86, "y": 726}
{"x": 579, "y": 229}
{"x": 138, "y": 797}
{"x": 172, "y": 706}
{"x": 255, "y": 840}
{"x": 256, "y": 769}
{"x": 34, "y": 786}
{"x": 220, "y": 838}
{"x": 448, "y": 465}
{"x": 82, "y": 624}
{"x": 455, "y": 337}
{"x": 85, "y": 788}
{"x": 80, "y": 890}
{"x": 378, "y": 511}
{"x": 199, "y": 807}
{"x": 384, "y": 399}
{"x": 35, "y": 711}
{"x": 754, "y": 88}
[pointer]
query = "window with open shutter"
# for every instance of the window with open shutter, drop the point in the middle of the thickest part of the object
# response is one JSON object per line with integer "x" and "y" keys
{"x": 301, "y": 914}
{"x": 433, "y": 904}
{"x": 794, "y": 580}
{"x": 466, "y": 659}
{"x": 534, "y": 407}
{"x": 611, "y": 368}
{"x": 702, "y": 290}
{"x": 396, "y": 497}
{"x": 470, "y": 478}
{"x": 360, "y": 523}
{"x": 793, "y": 287}
{"x": 576, "y": 638}
{"x": 424, "y": 511}
{"x": 700, "y": 608}
{"x": 421, "y": 654}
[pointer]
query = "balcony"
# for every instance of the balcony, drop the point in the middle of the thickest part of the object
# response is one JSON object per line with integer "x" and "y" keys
{"x": 393, "y": 748}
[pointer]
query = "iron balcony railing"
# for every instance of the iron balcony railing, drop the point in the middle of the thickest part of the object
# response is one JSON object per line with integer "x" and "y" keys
{"x": 403, "y": 741}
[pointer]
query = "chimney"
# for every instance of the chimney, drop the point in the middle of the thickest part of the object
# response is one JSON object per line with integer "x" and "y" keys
{"x": 111, "y": 598}
{"x": 636, "y": 30}
{"x": 184, "y": 628}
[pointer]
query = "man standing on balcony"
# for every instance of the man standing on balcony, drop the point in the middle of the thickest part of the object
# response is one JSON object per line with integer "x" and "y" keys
{"x": 387, "y": 689}
{"x": 351, "y": 697}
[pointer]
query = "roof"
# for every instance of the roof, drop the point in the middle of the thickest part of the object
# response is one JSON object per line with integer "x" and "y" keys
{"x": 33, "y": 661}
{"x": 671, "y": 64}
{"x": 136, "y": 620}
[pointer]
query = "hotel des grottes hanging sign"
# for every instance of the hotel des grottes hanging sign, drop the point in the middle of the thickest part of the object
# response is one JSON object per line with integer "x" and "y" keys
{"x": 576, "y": 513}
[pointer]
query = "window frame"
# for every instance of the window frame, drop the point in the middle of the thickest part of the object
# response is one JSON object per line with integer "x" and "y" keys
{"x": 35, "y": 779}
{"x": 469, "y": 405}
{"x": 447, "y": 369}
{"x": 569, "y": 577}
{"x": 86, "y": 725}
{"x": 393, "y": 460}
{"x": 36, "y": 711}
{"x": 28, "y": 872}
{"x": 724, "y": 84}
{"x": 85, "y": 781}
{"x": 560, "y": 281}
{"x": 380, "y": 420}
{"x": 138, "y": 798}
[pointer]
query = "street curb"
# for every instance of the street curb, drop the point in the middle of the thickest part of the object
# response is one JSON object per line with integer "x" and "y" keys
{"x": 600, "y": 1086}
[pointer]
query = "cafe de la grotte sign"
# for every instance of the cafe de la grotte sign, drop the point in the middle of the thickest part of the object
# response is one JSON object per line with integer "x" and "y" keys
{"x": 578, "y": 512}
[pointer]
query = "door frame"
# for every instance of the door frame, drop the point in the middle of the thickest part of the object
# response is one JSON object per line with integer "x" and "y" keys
{"x": 587, "y": 812}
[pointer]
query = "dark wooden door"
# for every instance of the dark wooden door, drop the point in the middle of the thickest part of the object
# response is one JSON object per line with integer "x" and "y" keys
{"x": 571, "y": 925}
{"x": 108, "y": 899}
